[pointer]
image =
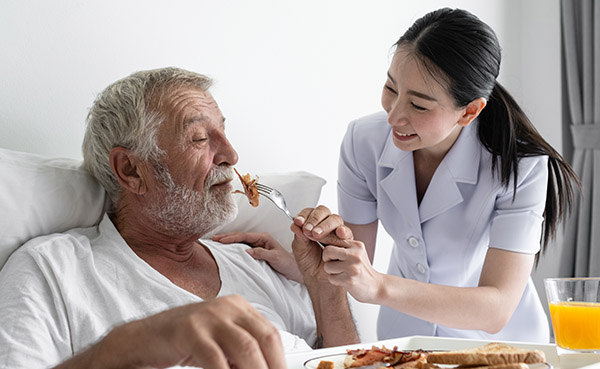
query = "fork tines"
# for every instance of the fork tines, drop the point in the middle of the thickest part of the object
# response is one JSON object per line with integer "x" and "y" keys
{"x": 262, "y": 188}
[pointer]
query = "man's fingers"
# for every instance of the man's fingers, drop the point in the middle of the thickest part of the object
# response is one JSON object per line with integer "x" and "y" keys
{"x": 241, "y": 348}
{"x": 344, "y": 233}
{"x": 261, "y": 342}
{"x": 299, "y": 233}
{"x": 320, "y": 222}
{"x": 208, "y": 354}
{"x": 247, "y": 339}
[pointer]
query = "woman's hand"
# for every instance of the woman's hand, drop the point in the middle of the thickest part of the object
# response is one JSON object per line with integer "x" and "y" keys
{"x": 264, "y": 247}
{"x": 348, "y": 266}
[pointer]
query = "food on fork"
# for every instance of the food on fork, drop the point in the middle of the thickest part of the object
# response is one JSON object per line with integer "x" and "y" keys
{"x": 249, "y": 186}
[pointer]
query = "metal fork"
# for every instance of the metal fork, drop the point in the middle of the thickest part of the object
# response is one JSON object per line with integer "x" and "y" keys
{"x": 276, "y": 198}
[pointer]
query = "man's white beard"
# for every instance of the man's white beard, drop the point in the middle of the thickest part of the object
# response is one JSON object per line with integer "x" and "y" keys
{"x": 184, "y": 211}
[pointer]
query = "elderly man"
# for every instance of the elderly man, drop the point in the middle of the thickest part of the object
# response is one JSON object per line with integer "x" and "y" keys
{"x": 140, "y": 290}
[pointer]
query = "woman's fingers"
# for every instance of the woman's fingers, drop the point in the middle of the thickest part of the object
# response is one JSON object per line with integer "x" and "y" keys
{"x": 254, "y": 239}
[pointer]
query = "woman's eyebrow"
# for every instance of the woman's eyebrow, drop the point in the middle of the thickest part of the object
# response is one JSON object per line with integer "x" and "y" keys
{"x": 390, "y": 77}
{"x": 413, "y": 92}
{"x": 421, "y": 95}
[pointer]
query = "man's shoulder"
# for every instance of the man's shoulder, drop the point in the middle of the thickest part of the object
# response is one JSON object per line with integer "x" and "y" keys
{"x": 56, "y": 246}
{"x": 234, "y": 252}
{"x": 234, "y": 256}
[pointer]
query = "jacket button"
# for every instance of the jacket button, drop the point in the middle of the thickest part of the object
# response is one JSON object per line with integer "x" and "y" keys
{"x": 413, "y": 241}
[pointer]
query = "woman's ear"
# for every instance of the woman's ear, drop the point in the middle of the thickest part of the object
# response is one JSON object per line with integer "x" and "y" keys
{"x": 471, "y": 111}
{"x": 127, "y": 170}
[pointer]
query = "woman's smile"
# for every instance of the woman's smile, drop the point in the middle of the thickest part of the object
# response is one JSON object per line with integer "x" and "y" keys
{"x": 404, "y": 136}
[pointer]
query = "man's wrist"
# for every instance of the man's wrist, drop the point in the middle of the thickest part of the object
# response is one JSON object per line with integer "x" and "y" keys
{"x": 114, "y": 350}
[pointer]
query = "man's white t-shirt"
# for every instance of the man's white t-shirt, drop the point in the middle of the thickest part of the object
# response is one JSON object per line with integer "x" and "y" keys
{"x": 61, "y": 293}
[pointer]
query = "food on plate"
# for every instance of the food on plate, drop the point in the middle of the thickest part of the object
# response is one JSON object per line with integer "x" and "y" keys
{"x": 324, "y": 364}
{"x": 494, "y": 353}
{"x": 249, "y": 186}
{"x": 384, "y": 355}
{"x": 499, "y": 366}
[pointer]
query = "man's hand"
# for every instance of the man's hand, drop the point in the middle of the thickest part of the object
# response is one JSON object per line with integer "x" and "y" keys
{"x": 311, "y": 225}
{"x": 216, "y": 334}
{"x": 335, "y": 325}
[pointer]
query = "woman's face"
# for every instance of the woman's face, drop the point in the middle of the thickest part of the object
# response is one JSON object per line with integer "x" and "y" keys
{"x": 420, "y": 110}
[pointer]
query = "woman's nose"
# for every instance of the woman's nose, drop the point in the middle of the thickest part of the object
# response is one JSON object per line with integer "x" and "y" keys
{"x": 396, "y": 115}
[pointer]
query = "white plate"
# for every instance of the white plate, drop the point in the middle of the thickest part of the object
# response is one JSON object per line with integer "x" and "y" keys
{"x": 298, "y": 359}
{"x": 338, "y": 362}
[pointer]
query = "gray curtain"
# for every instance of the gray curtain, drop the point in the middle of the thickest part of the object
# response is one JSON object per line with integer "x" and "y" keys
{"x": 581, "y": 94}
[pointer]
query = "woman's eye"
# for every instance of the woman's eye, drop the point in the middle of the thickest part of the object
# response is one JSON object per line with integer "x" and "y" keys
{"x": 202, "y": 139}
{"x": 417, "y": 107}
{"x": 390, "y": 89}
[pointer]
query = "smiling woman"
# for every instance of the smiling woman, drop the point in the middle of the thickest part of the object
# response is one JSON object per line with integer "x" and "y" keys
{"x": 459, "y": 177}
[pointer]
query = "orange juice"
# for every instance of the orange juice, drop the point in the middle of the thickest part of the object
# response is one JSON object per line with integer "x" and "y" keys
{"x": 576, "y": 325}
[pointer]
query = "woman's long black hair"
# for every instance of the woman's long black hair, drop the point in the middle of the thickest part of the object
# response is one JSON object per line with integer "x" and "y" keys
{"x": 463, "y": 52}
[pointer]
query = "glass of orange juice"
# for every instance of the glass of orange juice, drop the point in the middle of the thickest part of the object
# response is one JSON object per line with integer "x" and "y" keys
{"x": 575, "y": 311}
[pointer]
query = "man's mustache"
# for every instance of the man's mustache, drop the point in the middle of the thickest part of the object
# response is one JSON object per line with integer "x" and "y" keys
{"x": 219, "y": 175}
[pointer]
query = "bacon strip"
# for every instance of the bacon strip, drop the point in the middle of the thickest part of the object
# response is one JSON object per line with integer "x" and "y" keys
{"x": 376, "y": 355}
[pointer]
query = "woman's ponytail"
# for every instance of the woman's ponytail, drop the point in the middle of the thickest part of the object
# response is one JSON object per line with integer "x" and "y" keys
{"x": 506, "y": 132}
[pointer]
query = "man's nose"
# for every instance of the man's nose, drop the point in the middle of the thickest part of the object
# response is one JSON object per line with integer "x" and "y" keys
{"x": 225, "y": 154}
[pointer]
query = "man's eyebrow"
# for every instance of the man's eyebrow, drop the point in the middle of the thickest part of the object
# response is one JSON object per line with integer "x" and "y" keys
{"x": 413, "y": 92}
{"x": 199, "y": 119}
{"x": 195, "y": 119}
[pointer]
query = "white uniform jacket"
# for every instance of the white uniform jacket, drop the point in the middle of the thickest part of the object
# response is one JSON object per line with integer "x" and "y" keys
{"x": 444, "y": 240}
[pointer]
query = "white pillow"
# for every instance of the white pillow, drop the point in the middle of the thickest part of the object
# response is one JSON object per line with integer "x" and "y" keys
{"x": 40, "y": 195}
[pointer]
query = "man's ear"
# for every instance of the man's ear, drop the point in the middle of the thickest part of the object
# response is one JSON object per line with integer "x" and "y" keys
{"x": 471, "y": 111}
{"x": 127, "y": 170}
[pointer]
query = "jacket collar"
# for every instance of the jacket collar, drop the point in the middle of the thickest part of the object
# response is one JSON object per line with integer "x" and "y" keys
{"x": 460, "y": 165}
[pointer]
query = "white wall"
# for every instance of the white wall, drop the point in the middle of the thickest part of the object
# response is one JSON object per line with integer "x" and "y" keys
{"x": 289, "y": 75}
